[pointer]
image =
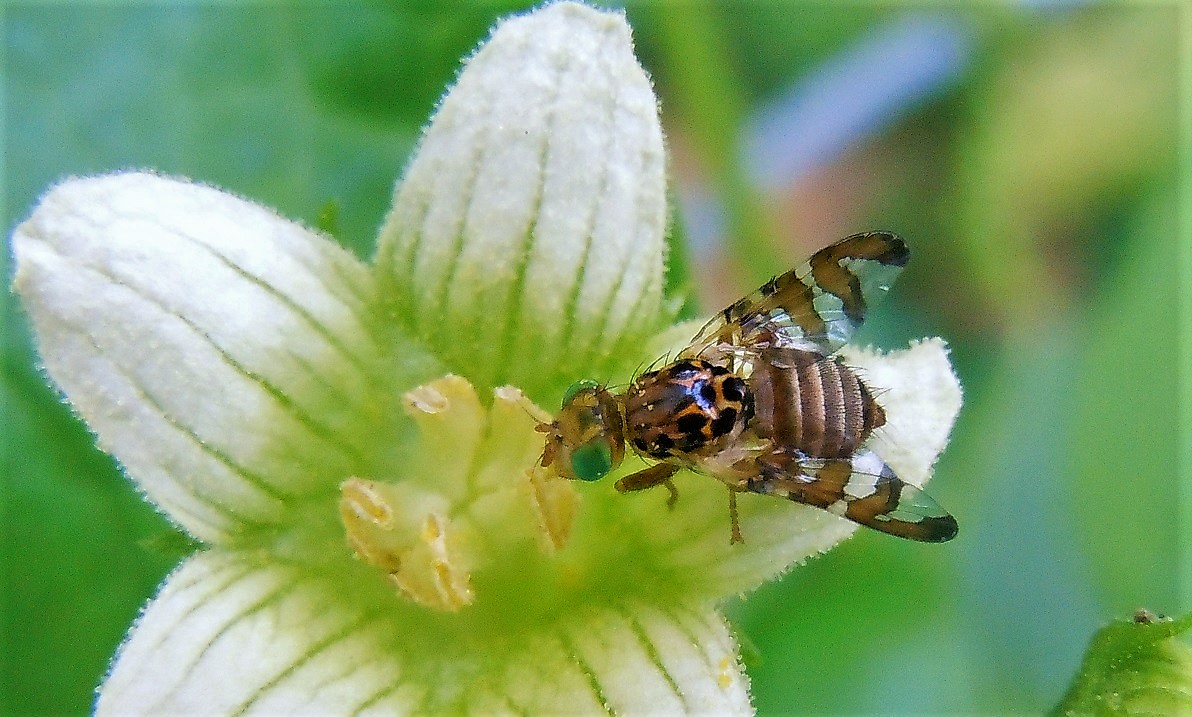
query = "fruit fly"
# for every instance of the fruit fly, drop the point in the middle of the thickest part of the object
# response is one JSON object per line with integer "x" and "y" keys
{"x": 760, "y": 401}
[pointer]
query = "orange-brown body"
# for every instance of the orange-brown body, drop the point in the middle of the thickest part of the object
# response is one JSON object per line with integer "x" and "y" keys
{"x": 760, "y": 401}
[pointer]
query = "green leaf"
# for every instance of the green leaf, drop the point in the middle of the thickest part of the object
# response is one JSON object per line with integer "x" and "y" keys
{"x": 1127, "y": 421}
{"x": 1133, "y": 667}
{"x": 236, "y": 96}
{"x": 67, "y": 549}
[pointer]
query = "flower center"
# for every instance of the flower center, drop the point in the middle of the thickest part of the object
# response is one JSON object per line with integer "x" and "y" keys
{"x": 488, "y": 496}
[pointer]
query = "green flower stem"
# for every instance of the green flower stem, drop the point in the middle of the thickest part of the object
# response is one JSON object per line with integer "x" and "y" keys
{"x": 709, "y": 95}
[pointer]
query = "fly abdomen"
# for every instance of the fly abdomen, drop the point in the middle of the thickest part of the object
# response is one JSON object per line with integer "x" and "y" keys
{"x": 812, "y": 402}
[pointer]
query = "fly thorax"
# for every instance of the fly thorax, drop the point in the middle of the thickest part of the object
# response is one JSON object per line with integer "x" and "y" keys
{"x": 690, "y": 406}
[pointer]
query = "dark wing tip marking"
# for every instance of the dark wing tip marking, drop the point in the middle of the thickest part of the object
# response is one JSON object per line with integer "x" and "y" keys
{"x": 908, "y": 513}
{"x": 924, "y": 529}
{"x": 881, "y": 246}
{"x": 863, "y": 489}
{"x": 896, "y": 253}
{"x": 939, "y": 530}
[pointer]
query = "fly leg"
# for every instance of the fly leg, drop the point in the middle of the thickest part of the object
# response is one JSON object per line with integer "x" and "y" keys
{"x": 657, "y": 474}
{"x": 736, "y": 536}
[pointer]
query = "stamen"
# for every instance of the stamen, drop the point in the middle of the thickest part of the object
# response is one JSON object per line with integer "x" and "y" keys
{"x": 403, "y": 531}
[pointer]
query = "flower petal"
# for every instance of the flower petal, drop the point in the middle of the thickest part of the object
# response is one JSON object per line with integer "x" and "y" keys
{"x": 226, "y": 636}
{"x": 526, "y": 239}
{"x": 922, "y": 397}
{"x": 229, "y": 635}
{"x": 633, "y": 660}
{"x": 222, "y": 354}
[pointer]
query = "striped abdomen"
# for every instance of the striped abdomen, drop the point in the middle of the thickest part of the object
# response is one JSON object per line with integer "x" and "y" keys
{"x": 813, "y": 403}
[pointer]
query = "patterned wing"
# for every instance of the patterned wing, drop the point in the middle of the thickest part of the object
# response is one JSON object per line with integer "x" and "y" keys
{"x": 862, "y": 489}
{"x": 819, "y": 304}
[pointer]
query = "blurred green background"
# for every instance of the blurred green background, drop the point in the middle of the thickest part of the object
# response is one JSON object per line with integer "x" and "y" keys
{"x": 1029, "y": 153}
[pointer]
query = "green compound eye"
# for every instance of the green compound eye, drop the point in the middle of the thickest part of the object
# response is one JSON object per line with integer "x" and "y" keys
{"x": 591, "y": 462}
{"x": 576, "y": 388}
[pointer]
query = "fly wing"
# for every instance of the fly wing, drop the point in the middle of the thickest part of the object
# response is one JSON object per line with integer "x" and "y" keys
{"x": 862, "y": 489}
{"x": 819, "y": 304}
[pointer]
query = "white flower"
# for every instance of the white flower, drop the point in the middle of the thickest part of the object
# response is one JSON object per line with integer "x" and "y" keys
{"x": 346, "y": 442}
